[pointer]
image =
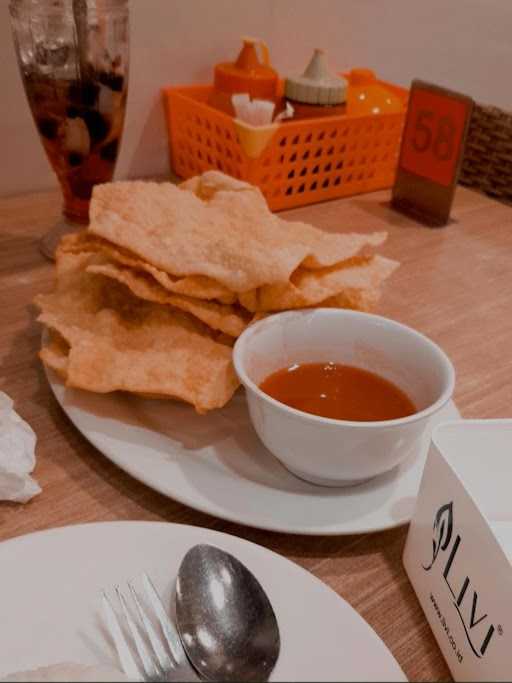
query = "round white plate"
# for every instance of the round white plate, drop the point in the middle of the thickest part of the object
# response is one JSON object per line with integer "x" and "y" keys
{"x": 215, "y": 463}
{"x": 52, "y": 582}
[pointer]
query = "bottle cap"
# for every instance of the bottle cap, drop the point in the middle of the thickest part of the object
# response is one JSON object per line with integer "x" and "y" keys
{"x": 316, "y": 85}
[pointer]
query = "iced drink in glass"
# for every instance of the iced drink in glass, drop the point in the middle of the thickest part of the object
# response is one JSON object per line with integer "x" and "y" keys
{"x": 73, "y": 56}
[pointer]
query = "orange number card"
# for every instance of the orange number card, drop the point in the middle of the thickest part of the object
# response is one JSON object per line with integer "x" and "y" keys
{"x": 431, "y": 152}
{"x": 433, "y": 135}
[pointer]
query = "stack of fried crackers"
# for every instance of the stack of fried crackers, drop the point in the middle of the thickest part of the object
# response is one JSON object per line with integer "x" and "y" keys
{"x": 151, "y": 297}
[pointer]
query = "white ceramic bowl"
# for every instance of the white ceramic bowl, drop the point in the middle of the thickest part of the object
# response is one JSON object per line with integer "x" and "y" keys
{"x": 340, "y": 452}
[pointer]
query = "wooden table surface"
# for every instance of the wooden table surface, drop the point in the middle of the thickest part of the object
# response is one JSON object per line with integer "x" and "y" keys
{"x": 455, "y": 284}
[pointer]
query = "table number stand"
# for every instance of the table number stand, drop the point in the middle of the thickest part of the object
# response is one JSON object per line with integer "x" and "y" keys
{"x": 431, "y": 153}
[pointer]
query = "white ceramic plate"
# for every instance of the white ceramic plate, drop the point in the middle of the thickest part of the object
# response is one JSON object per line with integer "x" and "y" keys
{"x": 51, "y": 583}
{"x": 215, "y": 463}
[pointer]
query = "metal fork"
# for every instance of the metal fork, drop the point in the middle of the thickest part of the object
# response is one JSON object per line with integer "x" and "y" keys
{"x": 162, "y": 656}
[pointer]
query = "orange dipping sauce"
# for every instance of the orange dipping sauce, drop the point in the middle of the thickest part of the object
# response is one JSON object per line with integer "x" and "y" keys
{"x": 342, "y": 392}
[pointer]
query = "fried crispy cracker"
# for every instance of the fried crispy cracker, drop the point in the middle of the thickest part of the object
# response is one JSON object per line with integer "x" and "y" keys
{"x": 354, "y": 298}
{"x": 119, "y": 342}
{"x": 55, "y": 353}
{"x": 312, "y": 287}
{"x": 227, "y": 233}
{"x": 197, "y": 286}
{"x": 228, "y": 319}
{"x": 207, "y": 185}
{"x": 329, "y": 249}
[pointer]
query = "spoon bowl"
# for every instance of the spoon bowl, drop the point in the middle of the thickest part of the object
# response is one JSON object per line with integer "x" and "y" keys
{"x": 224, "y": 617}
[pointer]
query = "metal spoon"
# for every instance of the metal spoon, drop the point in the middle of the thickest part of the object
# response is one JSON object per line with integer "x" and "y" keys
{"x": 224, "y": 617}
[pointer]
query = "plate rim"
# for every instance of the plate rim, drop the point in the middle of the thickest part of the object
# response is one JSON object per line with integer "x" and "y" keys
{"x": 168, "y": 527}
{"x": 55, "y": 382}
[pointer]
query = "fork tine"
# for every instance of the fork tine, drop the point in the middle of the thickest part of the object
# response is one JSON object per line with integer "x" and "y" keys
{"x": 168, "y": 628}
{"x": 123, "y": 650}
{"x": 150, "y": 668}
{"x": 163, "y": 658}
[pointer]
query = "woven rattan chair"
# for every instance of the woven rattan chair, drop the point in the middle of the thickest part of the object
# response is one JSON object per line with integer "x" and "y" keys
{"x": 487, "y": 162}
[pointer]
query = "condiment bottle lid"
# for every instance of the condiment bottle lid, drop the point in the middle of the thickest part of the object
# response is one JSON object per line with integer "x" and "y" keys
{"x": 316, "y": 85}
{"x": 361, "y": 77}
{"x": 248, "y": 73}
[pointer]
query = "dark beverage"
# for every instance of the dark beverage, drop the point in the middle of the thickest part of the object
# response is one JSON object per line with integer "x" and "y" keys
{"x": 73, "y": 56}
{"x": 80, "y": 123}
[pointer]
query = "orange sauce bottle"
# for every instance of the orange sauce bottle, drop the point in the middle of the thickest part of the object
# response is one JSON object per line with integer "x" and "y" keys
{"x": 317, "y": 92}
{"x": 247, "y": 75}
{"x": 365, "y": 95}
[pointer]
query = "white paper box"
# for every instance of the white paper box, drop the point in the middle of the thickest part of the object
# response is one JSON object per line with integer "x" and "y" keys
{"x": 459, "y": 547}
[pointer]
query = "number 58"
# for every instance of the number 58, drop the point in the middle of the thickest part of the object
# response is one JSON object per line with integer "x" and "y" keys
{"x": 440, "y": 140}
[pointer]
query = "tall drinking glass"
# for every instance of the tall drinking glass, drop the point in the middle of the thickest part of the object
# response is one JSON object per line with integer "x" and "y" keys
{"x": 73, "y": 57}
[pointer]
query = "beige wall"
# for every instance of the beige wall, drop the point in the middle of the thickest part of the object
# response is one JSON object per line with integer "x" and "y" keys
{"x": 463, "y": 44}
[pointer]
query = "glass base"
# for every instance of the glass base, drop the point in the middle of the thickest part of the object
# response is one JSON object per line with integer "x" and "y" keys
{"x": 48, "y": 243}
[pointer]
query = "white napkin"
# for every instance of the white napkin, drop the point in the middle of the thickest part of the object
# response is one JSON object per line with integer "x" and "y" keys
{"x": 17, "y": 455}
{"x": 67, "y": 671}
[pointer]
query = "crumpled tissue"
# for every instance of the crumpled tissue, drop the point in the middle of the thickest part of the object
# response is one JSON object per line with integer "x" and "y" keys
{"x": 17, "y": 455}
{"x": 67, "y": 671}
